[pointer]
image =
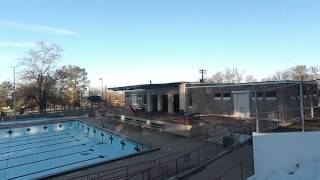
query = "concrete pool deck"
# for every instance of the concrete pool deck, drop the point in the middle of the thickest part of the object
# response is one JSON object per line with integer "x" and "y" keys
{"x": 171, "y": 146}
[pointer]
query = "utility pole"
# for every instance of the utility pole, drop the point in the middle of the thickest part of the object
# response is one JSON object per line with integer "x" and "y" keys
{"x": 301, "y": 105}
{"x": 202, "y": 72}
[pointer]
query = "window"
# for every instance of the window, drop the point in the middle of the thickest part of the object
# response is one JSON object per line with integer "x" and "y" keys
{"x": 314, "y": 93}
{"x": 226, "y": 96}
{"x": 217, "y": 96}
{"x": 144, "y": 99}
{"x": 259, "y": 95}
{"x": 271, "y": 96}
{"x": 305, "y": 94}
{"x": 293, "y": 95}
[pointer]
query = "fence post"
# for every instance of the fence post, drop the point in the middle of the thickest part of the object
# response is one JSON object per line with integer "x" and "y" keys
{"x": 127, "y": 172}
{"x": 162, "y": 173}
{"x": 143, "y": 174}
{"x": 176, "y": 167}
{"x": 198, "y": 156}
{"x": 228, "y": 124}
{"x": 241, "y": 169}
{"x": 217, "y": 151}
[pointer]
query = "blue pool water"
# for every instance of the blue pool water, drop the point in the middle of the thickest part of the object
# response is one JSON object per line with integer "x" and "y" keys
{"x": 41, "y": 150}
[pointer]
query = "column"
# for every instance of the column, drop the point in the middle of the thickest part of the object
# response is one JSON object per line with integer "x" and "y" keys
{"x": 149, "y": 104}
{"x": 170, "y": 103}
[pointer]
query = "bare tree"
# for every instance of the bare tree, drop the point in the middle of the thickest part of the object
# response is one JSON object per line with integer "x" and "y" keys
{"x": 296, "y": 73}
{"x": 217, "y": 77}
{"x": 277, "y": 76}
{"x": 314, "y": 72}
{"x": 250, "y": 79}
{"x": 39, "y": 68}
{"x": 228, "y": 76}
{"x": 299, "y": 72}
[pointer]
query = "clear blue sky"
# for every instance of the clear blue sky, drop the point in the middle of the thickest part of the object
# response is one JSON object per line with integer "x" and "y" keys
{"x": 134, "y": 41}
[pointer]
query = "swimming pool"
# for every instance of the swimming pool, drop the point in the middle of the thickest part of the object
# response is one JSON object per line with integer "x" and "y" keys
{"x": 41, "y": 150}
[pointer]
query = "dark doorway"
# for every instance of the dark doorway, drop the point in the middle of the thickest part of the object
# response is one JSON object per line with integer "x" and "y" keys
{"x": 164, "y": 103}
{"x": 176, "y": 107}
{"x": 154, "y": 103}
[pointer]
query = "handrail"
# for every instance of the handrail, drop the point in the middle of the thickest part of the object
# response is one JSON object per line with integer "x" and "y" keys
{"x": 159, "y": 165}
{"x": 166, "y": 164}
{"x": 136, "y": 164}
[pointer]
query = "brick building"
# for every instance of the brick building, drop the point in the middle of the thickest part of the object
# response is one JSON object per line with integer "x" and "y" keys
{"x": 275, "y": 99}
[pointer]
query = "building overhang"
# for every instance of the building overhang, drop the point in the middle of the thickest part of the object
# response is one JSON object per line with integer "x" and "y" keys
{"x": 146, "y": 86}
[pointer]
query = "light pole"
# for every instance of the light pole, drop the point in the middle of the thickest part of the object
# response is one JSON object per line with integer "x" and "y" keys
{"x": 14, "y": 93}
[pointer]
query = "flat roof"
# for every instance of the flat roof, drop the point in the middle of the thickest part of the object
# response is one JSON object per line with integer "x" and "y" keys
{"x": 146, "y": 86}
{"x": 198, "y": 84}
{"x": 203, "y": 84}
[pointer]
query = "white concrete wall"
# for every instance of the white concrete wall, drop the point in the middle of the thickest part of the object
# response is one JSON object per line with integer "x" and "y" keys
{"x": 275, "y": 151}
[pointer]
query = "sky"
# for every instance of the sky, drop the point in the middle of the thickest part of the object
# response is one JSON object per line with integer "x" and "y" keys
{"x": 134, "y": 41}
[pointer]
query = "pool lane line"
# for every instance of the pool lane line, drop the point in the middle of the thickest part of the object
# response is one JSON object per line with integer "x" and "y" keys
{"x": 44, "y": 146}
{"x": 26, "y": 136}
{"x": 17, "y": 145}
{"x": 54, "y": 135}
{"x": 98, "y": 157}
{"x": 41, "y": 160}
{"x": 41, "y": 152}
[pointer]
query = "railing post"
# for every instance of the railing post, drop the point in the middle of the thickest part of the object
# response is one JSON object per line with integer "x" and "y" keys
{"x": 241, "y": 169}
{"x": 228, "y": 124}
{"x": 176, "y": 167}
{"x": 216, "y": 148}
{"x": 198, "y": 156}
{"x": 127, "y": 172}
{"x": 143, "y": 175}
{"x": 162, "y": 173}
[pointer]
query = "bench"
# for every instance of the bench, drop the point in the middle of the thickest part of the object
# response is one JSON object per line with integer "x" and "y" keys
{"x": 156, "y": 126}
{"x": 140, "y": 122}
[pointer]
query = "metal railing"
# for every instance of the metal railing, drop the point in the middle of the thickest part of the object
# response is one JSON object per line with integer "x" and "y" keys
{"x": 239, "y": 171}
{"x": 170, "y": 165}
{"x": 54, "y": 114}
